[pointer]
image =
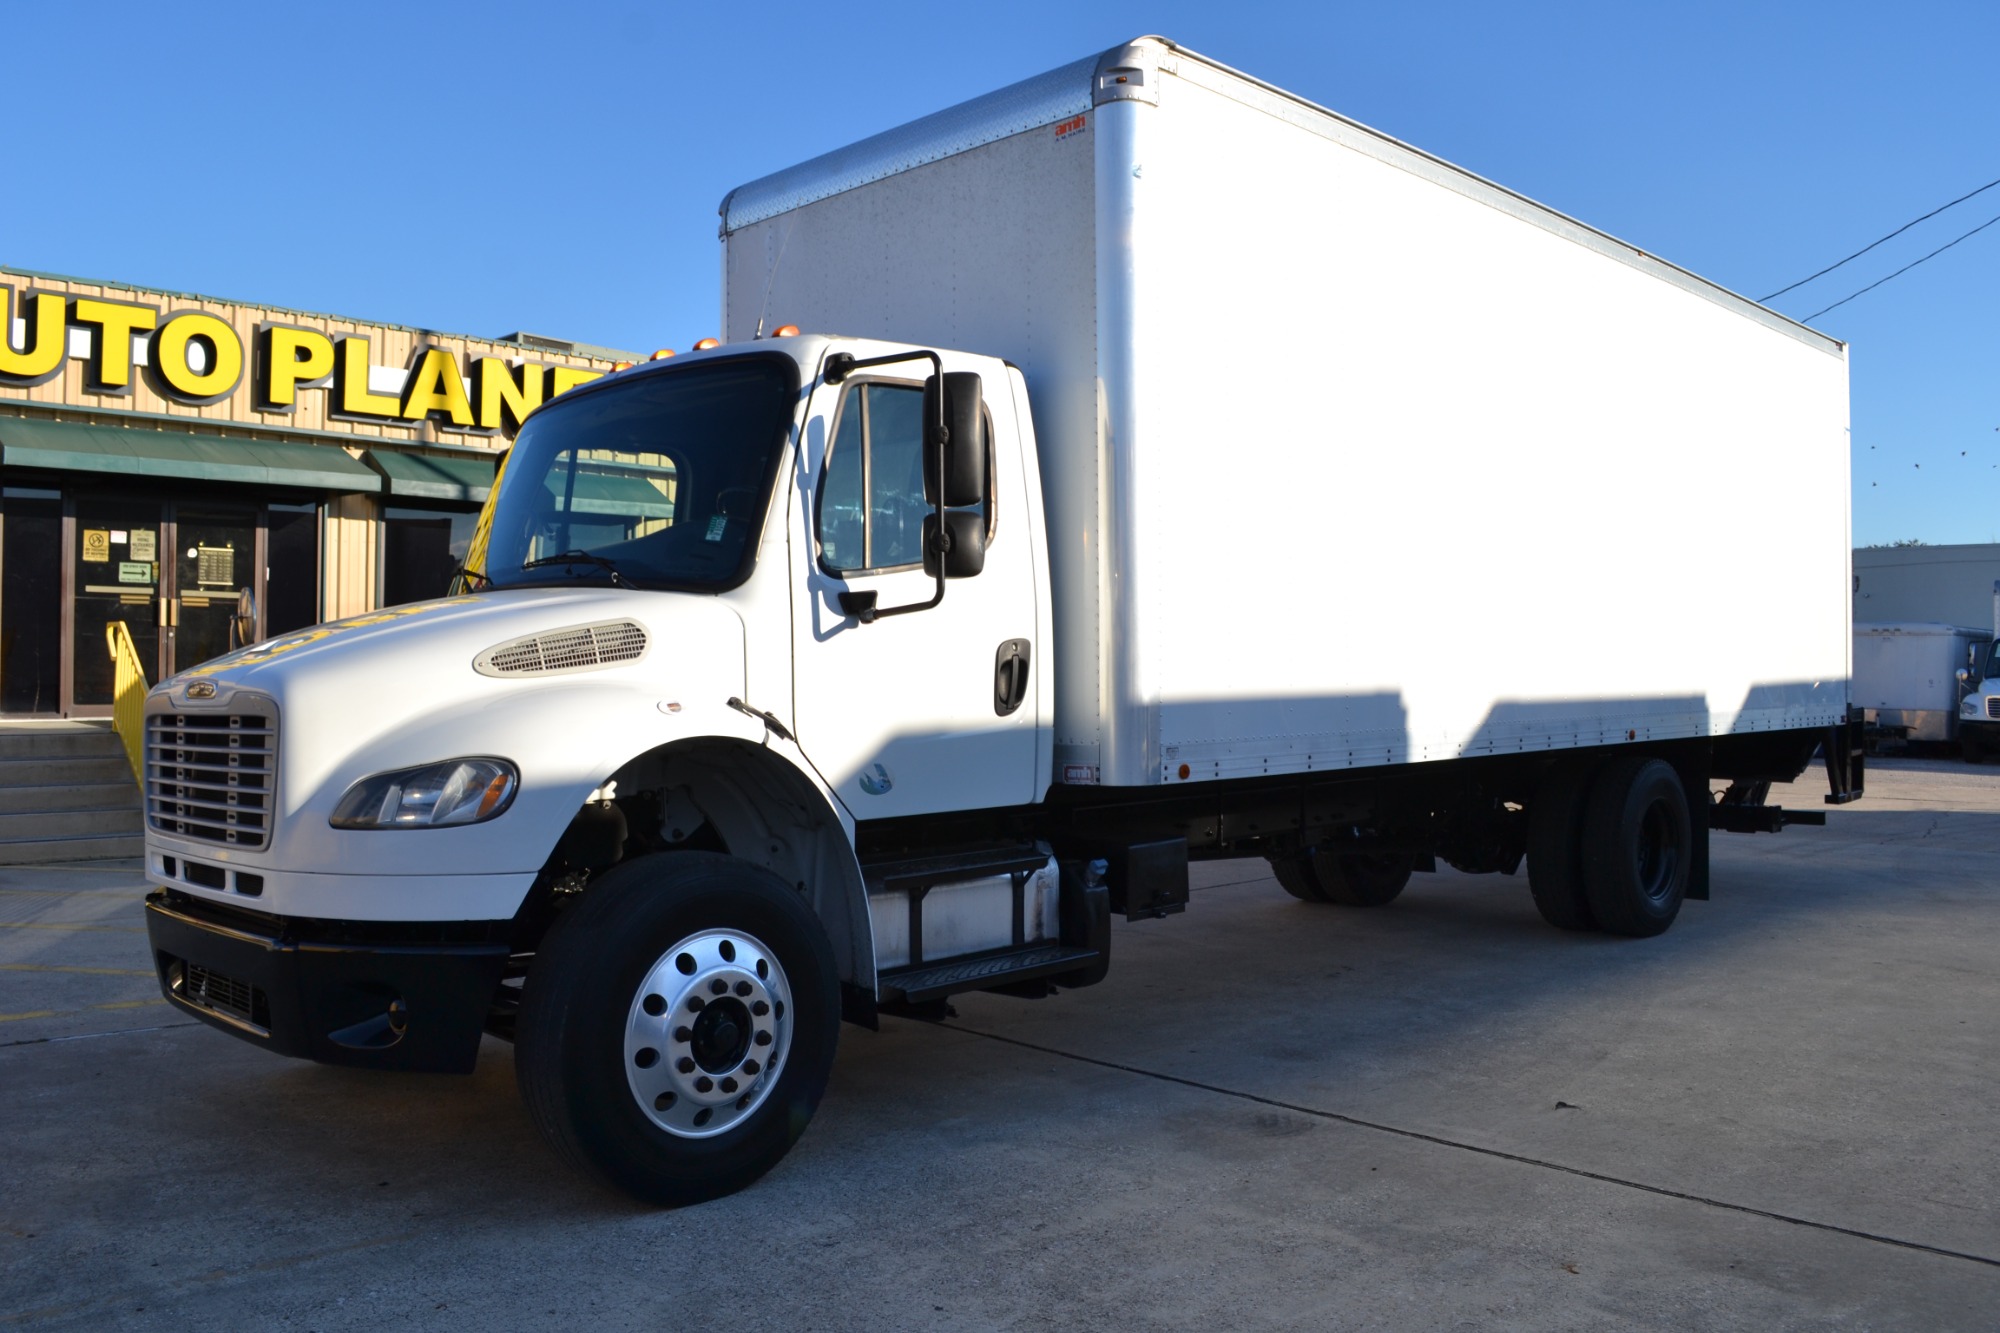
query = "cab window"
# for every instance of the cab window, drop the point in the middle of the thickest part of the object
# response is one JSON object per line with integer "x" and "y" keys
{"x": 871, "y": 495}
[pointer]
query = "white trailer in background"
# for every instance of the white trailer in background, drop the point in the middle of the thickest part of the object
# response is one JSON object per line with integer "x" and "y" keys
{"x": 1909, "y": 679}
{"x": 1168, "y": 468}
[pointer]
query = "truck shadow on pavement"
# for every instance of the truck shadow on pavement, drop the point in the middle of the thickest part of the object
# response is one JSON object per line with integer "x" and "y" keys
{"x": 1248, "y": 985}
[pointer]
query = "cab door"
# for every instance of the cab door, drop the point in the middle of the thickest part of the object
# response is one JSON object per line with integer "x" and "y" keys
{"x": 934, "y": 710}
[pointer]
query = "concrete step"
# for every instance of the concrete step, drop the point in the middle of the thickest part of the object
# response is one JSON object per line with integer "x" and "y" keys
{"x": 59, "y": 740}
{"x": 41, "y": 824}
{"x": 64, "y": 770}
{"x": 88, "y": 847}
{"x": 109, "y": 795}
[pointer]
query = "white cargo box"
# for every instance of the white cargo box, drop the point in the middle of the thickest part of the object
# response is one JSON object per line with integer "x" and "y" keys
{"x": 1906, "y": 675}
{"x": 1351, "y": 457}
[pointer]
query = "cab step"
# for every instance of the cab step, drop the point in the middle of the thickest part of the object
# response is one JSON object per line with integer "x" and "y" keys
{"x": 934, "y": 981}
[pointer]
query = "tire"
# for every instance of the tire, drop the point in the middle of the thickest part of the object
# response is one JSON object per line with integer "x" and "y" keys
{"x": 1638, "y": 847}
{"x": 1974, "y": 751}
{"x": 1555, "y": 847}
{"x": 1344, "y": 879}
{"x": 636, "y": 1069}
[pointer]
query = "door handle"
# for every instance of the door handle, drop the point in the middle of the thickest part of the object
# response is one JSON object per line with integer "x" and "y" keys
{"x": 1010, "y": 676}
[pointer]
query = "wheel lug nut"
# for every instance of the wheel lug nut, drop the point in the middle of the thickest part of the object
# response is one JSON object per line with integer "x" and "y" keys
{"x": 742, "y": 988}
{"x": 729, "y": 1085}
{"x": 718, "y": 987}
{"x": 695, "y": 1002}
{"x": 683, "y": 1033}
{"x": 685, "y": 1065}
{"x": 763, "y": 1039}
{"x": 760, "y": 1008}
{"x": 704, "y": 1083}
{"x": 751, "y": 1067}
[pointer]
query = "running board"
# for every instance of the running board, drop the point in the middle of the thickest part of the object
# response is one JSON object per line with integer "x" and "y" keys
{"x": 934, "y": 981}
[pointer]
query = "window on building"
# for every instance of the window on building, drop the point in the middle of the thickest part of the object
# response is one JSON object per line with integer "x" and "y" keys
{"x": 421, "y": 551}
{"x": 291, "y": 588}
{"x": 30, "y": 607}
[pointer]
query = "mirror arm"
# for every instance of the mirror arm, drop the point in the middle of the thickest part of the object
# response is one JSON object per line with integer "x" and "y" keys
{"x": 838, "y": 367}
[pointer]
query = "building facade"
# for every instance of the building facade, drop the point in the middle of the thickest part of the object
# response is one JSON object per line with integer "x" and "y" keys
{"x": 168, "y": 460}
{"x": 1952, "y": 585}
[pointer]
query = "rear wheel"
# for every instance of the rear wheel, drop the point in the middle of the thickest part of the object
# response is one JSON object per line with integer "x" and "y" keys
{"x": 1555, "y": 847}
{"x": 1638, "y": 846}
{"x": 678, "y": 1026}
{"x": 1345, "y": 879}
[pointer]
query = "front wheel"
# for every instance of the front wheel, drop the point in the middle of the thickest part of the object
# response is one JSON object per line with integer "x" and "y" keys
{"x": 678, "y": 1026}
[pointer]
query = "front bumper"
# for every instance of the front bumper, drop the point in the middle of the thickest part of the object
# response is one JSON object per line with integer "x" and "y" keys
{"x": 406, "y": 1001}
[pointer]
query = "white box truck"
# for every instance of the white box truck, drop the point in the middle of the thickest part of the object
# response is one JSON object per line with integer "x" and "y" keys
{"x": 1168, "y": 469}
{"x": 1910, "y": 679}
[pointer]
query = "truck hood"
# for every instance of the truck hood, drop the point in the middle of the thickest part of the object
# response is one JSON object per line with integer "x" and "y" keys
{"x": 412, "y": 685}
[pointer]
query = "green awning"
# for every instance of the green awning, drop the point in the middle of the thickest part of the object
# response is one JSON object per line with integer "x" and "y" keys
{"x": 422, "y": 477}
{"x": 132, "y": 452}
{"x": 624, "y": 494}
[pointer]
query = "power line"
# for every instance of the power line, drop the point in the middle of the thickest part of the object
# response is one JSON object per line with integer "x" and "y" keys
{"x": 1872, "y": 244}
{"x": 1904, "y": 269}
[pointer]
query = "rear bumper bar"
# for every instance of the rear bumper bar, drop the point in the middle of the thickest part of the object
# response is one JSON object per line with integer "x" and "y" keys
{"x": 405, "y": 1006}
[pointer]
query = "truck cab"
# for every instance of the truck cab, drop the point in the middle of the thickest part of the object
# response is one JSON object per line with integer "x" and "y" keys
{"x": 736, "y": 605}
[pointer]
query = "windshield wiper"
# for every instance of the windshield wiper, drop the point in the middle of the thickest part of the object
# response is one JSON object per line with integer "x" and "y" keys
{"x": 582, "y": 558}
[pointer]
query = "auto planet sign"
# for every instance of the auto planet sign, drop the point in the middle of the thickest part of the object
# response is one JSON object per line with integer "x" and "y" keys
{"x": 196, "y": 358}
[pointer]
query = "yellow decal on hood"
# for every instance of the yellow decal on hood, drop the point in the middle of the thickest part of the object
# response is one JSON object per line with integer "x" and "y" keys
{"x": 263, "y": 652}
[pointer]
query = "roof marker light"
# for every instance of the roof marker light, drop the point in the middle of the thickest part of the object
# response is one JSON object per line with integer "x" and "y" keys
{"x": 786, "y": 331}
{"x": 707, "y": 343}
{"x": 622, "y": 365}
{"x": 662, "y": 354}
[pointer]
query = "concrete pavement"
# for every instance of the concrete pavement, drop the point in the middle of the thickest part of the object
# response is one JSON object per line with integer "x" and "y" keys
{"x": 1441, "y": 1114}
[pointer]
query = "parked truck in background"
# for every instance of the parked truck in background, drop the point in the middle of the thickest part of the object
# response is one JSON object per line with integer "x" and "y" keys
{"x": 1148, "y": 427}
{"x": 1910, "y": 679}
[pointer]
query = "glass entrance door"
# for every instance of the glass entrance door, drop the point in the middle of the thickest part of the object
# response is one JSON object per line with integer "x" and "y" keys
{"x": 171, "y": 572}
{"x": 117, "y": 551}
{"x": 215, "y": 561}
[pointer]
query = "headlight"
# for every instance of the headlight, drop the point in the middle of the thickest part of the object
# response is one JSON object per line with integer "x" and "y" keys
{"x": 457, "y": 791}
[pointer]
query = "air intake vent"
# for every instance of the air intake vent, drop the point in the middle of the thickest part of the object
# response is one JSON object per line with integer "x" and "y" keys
{"x": 577, "y": 648}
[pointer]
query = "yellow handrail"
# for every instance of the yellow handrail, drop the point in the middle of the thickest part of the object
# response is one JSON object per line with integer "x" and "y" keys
{"x": 128, "y": 699}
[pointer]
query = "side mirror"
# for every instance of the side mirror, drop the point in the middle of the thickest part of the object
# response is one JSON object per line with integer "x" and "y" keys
{"x": 964, "y": 544}
{"x": 1965, "y": 675}
{"x": 965, "y": 441}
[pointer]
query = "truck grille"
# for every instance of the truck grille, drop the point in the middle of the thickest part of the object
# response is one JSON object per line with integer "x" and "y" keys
{"x": 212, "y": 776}
{"x": 1993, "y": 705}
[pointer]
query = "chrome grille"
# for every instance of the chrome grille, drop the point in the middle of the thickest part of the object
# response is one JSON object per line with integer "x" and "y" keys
{"x": 212, "y": 776}
{"x": 577, "y": 648}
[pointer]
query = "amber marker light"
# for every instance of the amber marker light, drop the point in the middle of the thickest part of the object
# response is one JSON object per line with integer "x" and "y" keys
{"x": 622, "y": 365}
{"x": 787, "y": 331}
{"x": 496, "y": 792}
{"x": 707, "y": 343}
{"x": 662, "y": 354}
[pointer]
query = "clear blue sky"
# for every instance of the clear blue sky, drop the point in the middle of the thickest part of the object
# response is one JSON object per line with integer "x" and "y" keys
{"x": 482, "y": 168}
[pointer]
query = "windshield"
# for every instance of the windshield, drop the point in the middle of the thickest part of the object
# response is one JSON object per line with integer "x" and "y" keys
{"x": 659, "y": 481}
{"x": 1993, "y": 661}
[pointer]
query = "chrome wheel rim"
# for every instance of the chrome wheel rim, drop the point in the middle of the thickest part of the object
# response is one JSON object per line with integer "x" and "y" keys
{"x": 707, "y": 1033}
